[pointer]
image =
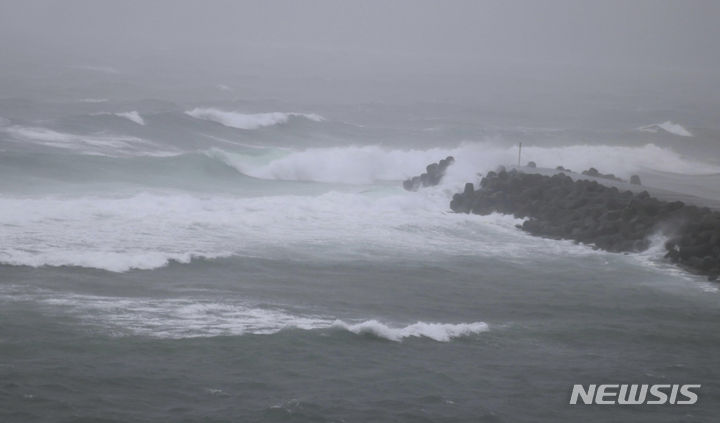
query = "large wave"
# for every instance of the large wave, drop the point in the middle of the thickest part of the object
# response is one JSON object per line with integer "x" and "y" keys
{"x": 150, "y": 229}
{"x": 366, "y": 164}
{"x": 248, "y": 121}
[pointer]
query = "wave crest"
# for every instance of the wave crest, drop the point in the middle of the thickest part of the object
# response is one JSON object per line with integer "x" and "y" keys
{"x": 248, "y": 121}
{"x": 667, "y": 126}
{"x": 366, "y": 164}
{"x": 441, "y": 332}
{"x": 191, "y": 317}
{"x": 132, "y": 116}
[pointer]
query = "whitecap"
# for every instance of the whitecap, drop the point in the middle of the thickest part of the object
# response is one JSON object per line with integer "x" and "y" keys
{"x": 177, "y": 318}
{"x": 441, "y": 332}
{"x": 132, "y": 116}
{"x": 667, "y": 126}
{"x": 371, "y": 163}
{"x": 248, "y": 120}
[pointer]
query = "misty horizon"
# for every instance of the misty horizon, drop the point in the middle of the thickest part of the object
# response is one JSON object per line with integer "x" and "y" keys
{"x": 468, "y": 52}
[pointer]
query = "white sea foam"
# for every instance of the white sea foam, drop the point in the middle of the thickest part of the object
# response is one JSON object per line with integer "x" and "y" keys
{"x": 248, "y": 121}
{"x": 441, "y": 332}
{"x": 653, "y": 258}
{"x": 192, "y": 317}
{"x": 133, "y": 116}
{"x": 667, "y": 126}
{"x": 147, "y": 231}
{"x": 181, "y": 317}
{"x": 97, "y": 144}
{"x": 113, "y": 261}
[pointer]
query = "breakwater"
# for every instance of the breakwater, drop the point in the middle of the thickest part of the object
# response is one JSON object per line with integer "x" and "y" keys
{"x": 434, "y": 173}
{"x": 608, "y": 218}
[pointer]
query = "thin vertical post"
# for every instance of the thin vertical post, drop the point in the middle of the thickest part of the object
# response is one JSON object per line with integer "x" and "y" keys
{"x": 519, "y": 153}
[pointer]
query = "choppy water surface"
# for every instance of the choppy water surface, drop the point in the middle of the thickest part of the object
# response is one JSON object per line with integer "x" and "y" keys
{"x": 214, "y": 263}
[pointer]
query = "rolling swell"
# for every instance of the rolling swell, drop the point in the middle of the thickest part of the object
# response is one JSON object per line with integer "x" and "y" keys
{"x": 195, "y": 171}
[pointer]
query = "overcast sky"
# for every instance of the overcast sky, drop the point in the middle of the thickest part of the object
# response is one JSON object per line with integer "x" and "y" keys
{"x": 363, "y": 38}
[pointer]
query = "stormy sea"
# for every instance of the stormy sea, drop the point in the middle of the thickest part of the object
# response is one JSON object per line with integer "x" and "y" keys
{"x": 237, "y": 260}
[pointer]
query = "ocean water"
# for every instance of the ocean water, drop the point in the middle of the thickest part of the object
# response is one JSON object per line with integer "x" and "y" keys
{"x": 247, "y": 262}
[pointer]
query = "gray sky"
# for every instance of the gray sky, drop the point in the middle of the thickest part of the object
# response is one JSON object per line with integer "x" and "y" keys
{"x": 364, "y": 39}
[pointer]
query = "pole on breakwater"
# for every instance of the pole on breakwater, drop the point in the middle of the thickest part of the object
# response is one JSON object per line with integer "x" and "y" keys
{"x": 519, "y": 153}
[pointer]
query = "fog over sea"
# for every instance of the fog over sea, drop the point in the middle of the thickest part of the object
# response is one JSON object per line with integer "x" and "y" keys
{"x": 187, "y": 245}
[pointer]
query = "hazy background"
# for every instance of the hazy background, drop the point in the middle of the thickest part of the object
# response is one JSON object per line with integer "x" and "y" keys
{"x": 202, "y": 214}
{"x": 474, "y": 52}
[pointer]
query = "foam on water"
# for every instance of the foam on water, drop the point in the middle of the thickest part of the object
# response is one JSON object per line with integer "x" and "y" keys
{"x": 667, "y": 126}
{"x": 653, "y": 258}
{"x": 146, "y": 231}
{"x": 93, "y": 144}
{"x": 441, "y": 332}
{"x": 132, "y": 116}
{"x": 190, "y": 317}
{"x": 248, "y": 121}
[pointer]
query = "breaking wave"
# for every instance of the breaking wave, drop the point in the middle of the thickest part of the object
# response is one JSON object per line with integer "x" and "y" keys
{"x": 441, "y": 332}
{"x": 366, "y": 164}
{"x": 148, "y": 231}
{"x": 132, "y": 116}
{"x": 248, "y": 121}
{"x": 178, "y": 318}
{"x": 667, "y": 126}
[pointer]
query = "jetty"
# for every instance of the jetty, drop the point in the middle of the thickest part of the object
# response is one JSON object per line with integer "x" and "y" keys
{"x": 609, "y": 214}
